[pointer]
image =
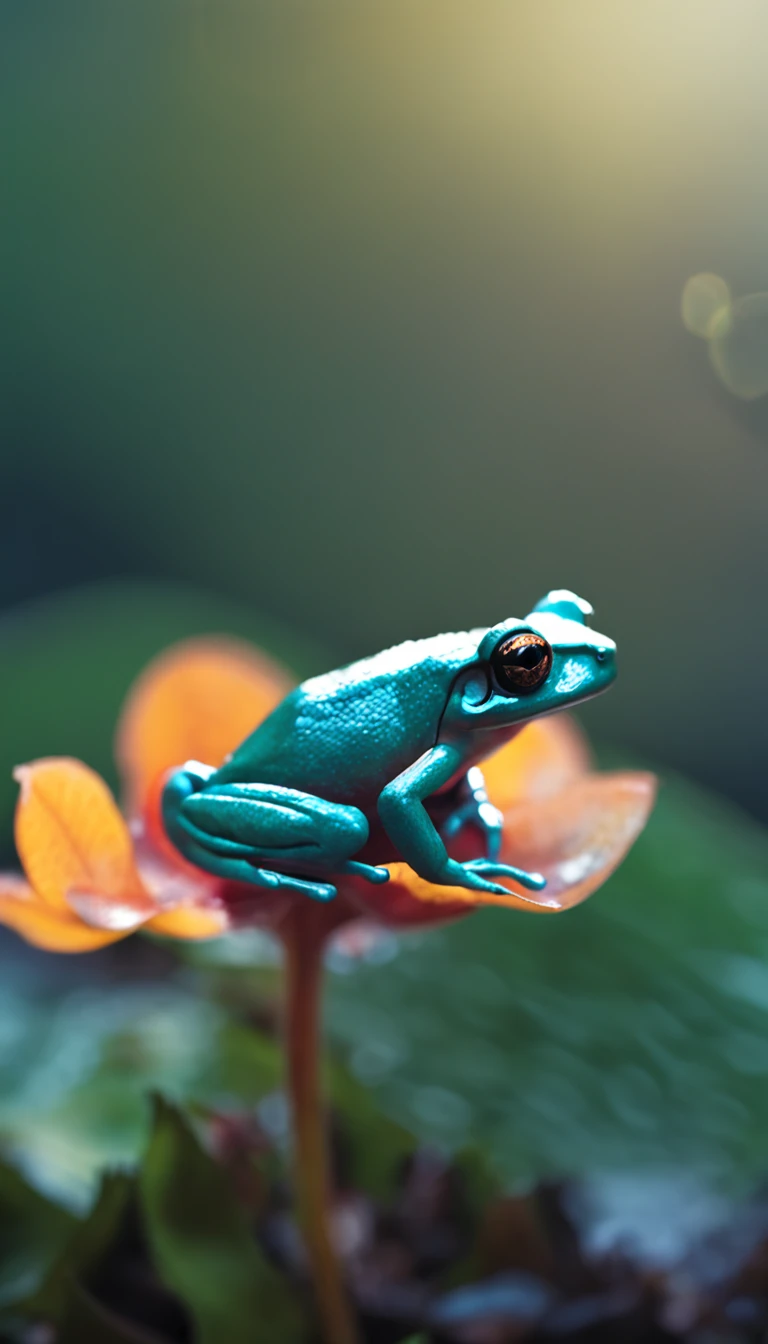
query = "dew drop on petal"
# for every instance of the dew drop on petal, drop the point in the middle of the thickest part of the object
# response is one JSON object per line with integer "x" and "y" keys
{"x": 104, "y": 912}
{"x": 705, "y": 298}
{"x": 738, "y": 346}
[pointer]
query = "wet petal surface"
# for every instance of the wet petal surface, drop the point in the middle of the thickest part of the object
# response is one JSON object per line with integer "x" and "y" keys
{"x": 575, "y": 839}
{"x": 75, "y": 847}
{"x": 578, "y": 838}
{"x": 54, "y": 930}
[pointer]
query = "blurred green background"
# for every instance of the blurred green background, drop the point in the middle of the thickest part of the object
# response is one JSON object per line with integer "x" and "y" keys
{"x": 334, "y": 325}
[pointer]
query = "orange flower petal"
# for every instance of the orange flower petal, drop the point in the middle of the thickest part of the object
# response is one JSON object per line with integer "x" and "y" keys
{"x": 76, "y": 848}
{"x": 406, "y": 901}
{"x": 189, "y": 922}
{"x": 576, "y": 839}
{"x": 55, "y": 930}
{"x": 542, "y": 760}
{"x": 196, "y": 701}
{"x": 189, "y": 905}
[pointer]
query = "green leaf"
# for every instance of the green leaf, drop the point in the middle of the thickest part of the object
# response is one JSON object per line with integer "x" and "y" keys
{"x": 88, "y": 1322}
{"x": 32, "y": 1232}
{"x": 249, "y": 1064}
{"x": 203, "y": 1247}
{"x": 480, "y": 1180}
{"x": 88, "y": 1243}
{"x": 630, "y": 1033}
{"x": 377, "y": 1144}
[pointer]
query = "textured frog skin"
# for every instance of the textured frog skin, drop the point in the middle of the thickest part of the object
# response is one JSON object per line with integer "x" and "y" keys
{"x": 346, "y": 734}
{"x": 364, "y": 765}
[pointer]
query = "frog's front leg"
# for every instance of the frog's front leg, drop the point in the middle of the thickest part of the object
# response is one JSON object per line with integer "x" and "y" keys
{"x": 477, "y": 809}
{"x": 264, "y": 834}
{"x": 409, "y": 827}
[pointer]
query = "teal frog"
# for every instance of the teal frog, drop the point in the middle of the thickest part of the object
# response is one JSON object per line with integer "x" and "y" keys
{"x": 379, "y": 761}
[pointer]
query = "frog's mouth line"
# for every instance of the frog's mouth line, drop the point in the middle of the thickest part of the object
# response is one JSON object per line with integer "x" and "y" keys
{"x": 536, "y": 711}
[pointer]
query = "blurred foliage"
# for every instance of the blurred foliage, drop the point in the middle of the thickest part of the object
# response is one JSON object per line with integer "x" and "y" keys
{"x": 198, "y": 1237}
{"x": 88, "y": 1322}
{"x": 630, "y": 1033}
{"x": 626, "y": 1040}
{"x": 203, "y": 1246}
{"x": 82, "y": 1250}
{"x": 32, "y": 1230}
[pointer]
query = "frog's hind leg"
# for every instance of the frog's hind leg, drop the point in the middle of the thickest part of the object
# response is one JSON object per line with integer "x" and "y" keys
{"x": 264, "y": 834}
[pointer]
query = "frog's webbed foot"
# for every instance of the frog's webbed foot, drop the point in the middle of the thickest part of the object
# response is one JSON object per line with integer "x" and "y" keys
{"x": 475, "y": 808}
{"x": 264, "y": 834}
{"x": 486, "y": 868}
{"x": 411, "y": 830}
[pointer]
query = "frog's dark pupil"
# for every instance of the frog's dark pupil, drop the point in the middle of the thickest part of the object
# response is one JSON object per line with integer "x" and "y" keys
{"x": 530, "y": 655}
{"x": 521, "y": 663}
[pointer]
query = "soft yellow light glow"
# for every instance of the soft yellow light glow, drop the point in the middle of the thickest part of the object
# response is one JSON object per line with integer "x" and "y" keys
{"x": 705, "y": 304}
{"x": 738, "y": 346}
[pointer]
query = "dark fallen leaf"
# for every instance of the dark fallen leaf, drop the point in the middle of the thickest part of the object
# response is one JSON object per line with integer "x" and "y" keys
{"x": 512, "y": 1235}
{"x": 203, "y": 1246}
{"x": 89, "y": 1322}
{"x": 32, "y": 1232}
{"x": 621, "y": 1313}
{"x": 88, "y": 1244}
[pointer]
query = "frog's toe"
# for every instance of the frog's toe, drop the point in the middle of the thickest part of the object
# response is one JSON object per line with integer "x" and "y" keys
{"x": 371, "y": 873}
{"x": 533, "y": 881}
{"x": 316, "y": 891}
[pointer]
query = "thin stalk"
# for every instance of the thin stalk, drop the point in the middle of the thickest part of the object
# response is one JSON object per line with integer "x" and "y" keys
{"x": 304, "y": 938}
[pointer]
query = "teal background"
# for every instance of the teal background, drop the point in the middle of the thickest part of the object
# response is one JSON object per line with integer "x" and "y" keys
{"x": 368, "y": 317}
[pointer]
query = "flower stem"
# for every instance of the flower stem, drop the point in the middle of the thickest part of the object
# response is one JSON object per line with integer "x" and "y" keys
{"x": 304, "y": 933}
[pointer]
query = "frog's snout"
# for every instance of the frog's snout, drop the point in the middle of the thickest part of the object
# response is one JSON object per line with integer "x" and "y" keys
{"x": 605, "y": 662}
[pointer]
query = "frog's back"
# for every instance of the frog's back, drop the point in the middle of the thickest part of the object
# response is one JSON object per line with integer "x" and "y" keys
{"x": 346, "y": 734}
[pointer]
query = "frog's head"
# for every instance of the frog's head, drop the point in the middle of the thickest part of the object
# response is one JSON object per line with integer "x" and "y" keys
{"x": 523, "y": 669}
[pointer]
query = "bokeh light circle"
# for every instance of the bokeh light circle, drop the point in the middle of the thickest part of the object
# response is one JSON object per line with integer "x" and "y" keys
{"x": 738, "y": 346}
{"x": 706, "y": 301}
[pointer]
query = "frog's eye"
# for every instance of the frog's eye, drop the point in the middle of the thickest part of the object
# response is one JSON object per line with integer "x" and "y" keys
{"x": 521, "y": 663}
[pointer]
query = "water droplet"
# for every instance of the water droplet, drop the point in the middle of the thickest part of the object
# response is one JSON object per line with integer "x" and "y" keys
{"x": 705, "y": 298}
{"x": 104, "y": 912}
{"x": 738, "y": 346}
